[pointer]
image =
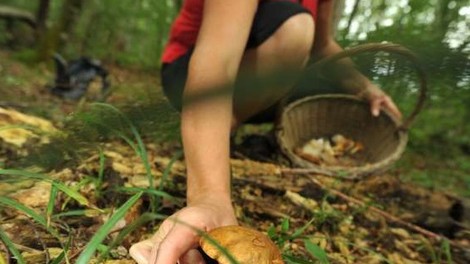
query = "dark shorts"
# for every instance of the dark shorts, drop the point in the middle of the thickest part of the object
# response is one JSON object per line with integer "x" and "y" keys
{"x": 268, "y": 18}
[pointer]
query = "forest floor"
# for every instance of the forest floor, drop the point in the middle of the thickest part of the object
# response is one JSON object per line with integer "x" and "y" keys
{"x": 312, "y": 218}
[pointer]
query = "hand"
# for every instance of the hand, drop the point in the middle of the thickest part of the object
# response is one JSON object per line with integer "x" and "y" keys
{"x": 379, "y": 100}
{"x": 176, "y": 241}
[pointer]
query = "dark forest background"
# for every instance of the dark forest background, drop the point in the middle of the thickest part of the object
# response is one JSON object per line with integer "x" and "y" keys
{"x": 132, "y": 34}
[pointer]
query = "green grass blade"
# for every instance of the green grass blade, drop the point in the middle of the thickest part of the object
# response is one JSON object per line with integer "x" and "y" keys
{"x": 22, "y": 208}
{"x": 65, "y": 249}
{"x": 59, "y": 258}
{"x": 72, "y": 193}
{"x": 51, "y": 204}
{"x": 295, "y": 260}
{"x": 298, "y": 232}
{"x": 285, "y": 225}
{"x": 24, "y": 174}
{"x": 101, "y": 170}
{"x": 140, "y": 148}
{"x": 316, "y": 251}
{"x": 143, "y": 155}
{"x": 29, "y": 212}
{"x": 73, "y": 213}
{"x": 11, "y": 246}
{"x": 143, "y": 219}
{"x": 104, "y": 230}
{"x": 153, "y": 192}
{"x": 447, "y": 250}
{"x": 37, "y": 176}
{"x": 167, "y": 170}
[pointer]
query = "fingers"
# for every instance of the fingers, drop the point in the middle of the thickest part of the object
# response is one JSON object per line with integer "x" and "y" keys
{"x": 384, "y": 102}
{"x": 375, "y": 106}
{"x": 146, "y": 250}
{"x": 192, "y": 257}
{"x": 178, "y": 241}
{"x": 177, "y": 236}
{"x": 390, "y": 105}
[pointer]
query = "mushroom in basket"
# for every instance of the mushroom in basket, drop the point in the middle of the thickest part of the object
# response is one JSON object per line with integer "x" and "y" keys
{"x": 246, "y": 245}
{"x": 335, "y": 151}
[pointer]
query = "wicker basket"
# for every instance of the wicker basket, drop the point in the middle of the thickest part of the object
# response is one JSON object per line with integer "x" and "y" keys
{"x": 384, "y": 137}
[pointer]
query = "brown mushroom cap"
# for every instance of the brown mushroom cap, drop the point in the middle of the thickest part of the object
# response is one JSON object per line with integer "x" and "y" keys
{"x": 246, "y": 245}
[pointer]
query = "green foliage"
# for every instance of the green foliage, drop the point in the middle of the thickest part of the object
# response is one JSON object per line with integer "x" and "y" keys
{"x": 5, "y": 201}
{"x": 446, "y": 251}
{"x": 99, "y": 180}
{"x": 143, "y": 219}
{"x": 94, "y": 124}
{"x": 122, "y": 127}
{"x": 129, "y": 33}
{"x": 22, "y": 174}
{"x": 150, "y": 191}
{"x": 286, "y": 235}
{"x": 11, "y": 247}
{"x": 444, "y": 55}
{"x": 316, "y": 251}
{"x": 27, "y": 55}
{"x": 137, "y": 145}
{"x": 104, "y": 230}
{"x": 51, "y": 204}
{"x": 133, "y": 33}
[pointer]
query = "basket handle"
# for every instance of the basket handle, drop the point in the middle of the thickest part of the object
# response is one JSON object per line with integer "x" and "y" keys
{"x": 391, "y": 48}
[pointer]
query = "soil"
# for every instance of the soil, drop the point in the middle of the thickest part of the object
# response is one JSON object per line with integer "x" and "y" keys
{"x": 379, "y": 219}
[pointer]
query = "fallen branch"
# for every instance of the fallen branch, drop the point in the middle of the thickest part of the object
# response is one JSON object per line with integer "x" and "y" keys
{"x": 8, "y": 12}
{"x": 322, "y": 172}
{"x": 386, "y": 215}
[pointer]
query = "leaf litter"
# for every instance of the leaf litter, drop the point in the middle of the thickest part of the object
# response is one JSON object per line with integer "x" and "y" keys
{"x": 265, "y": 199}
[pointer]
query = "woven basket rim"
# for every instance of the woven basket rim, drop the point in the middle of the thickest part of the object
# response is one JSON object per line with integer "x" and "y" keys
{"x": 341, "y": 171}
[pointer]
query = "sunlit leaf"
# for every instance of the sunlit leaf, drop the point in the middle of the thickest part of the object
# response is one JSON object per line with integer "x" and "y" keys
{"x": 316, "y": 251}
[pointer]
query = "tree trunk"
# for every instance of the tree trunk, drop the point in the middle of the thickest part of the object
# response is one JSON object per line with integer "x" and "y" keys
{"x": 41, "y": 18}
{"x": 351, "y": 17}
{"x": 337, "y": 15}
{"x": 57, "y": 35}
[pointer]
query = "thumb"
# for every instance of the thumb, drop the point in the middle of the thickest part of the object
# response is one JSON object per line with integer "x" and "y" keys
{"x": 141, "y": 251}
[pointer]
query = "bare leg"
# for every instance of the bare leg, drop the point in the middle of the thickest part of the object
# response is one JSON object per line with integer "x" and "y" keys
{"x": 288, "y": 48}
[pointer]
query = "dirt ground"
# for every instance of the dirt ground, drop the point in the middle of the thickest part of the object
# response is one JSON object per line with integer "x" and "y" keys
{"x": 378, "y": 219}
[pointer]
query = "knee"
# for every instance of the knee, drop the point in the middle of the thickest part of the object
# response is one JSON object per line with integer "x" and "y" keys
{"x": 294, "y": 40}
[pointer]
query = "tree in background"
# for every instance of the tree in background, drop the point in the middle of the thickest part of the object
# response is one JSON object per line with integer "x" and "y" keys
{"x": 41, "y": 17}
{"x": 58, "y": 34}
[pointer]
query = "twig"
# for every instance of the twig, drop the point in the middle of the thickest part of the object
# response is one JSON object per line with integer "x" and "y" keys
{"x": 272, "y": 188}
{"x": 304, "y": 171}
{"x": 386, "y": 215}
{"x": 43, "y": 245}
{"x": 77, "y": 252}
{"x": 13, "y": 104}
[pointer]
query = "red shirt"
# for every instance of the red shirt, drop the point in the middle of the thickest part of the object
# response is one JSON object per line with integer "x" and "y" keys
{"x": 185, "y": 28}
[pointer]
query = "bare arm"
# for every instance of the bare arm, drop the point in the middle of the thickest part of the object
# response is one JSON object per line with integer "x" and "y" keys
{"x": 206, "y": 123}
{"x": 205, "y": 131}
{"x": 354, "y": 82}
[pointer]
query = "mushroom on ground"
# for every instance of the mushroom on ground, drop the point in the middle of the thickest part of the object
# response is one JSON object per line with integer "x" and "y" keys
{"x": 246, "y": 245}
